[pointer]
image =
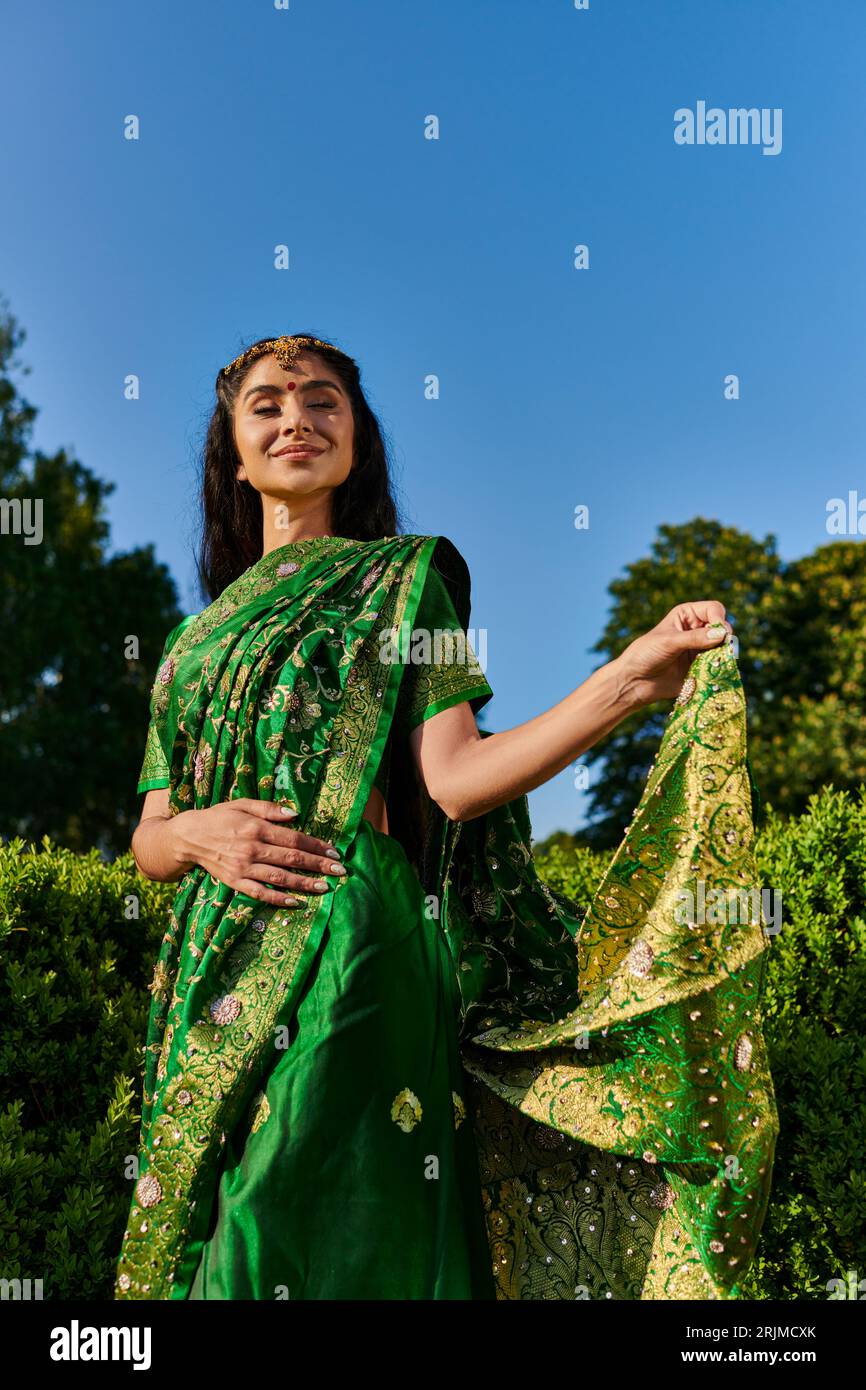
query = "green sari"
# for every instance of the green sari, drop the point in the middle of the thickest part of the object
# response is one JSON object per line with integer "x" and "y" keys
{"x": 440, "y": 1079}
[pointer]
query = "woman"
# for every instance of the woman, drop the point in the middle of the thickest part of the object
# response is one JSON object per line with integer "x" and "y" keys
{"x": 385, "y": 1060}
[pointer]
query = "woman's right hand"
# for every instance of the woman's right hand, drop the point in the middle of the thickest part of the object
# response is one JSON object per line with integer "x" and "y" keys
{"x": 246, "y": 843}
{"x": 250, "y": 846}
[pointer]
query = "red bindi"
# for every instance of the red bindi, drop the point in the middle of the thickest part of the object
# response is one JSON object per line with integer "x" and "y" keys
{"x": 290, "y": 385}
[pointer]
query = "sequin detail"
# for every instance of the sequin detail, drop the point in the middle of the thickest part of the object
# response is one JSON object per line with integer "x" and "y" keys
{"x": 148, "y": 1190}
{"x": 640, "y": 959}
{"x": 225, "y": 1009}
{"x": 663, "y": 1196}
{"x": 743, "y": 1053}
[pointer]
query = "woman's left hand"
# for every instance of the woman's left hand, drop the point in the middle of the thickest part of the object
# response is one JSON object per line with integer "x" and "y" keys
{"x": 654, "y": 665}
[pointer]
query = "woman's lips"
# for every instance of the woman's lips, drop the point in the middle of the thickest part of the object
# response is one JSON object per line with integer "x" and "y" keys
{"x": 306, "y": 451}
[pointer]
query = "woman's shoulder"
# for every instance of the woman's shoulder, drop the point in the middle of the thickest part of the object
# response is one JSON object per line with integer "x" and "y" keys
{"x": 445, "y": 552}
{"x": 181, "y": 626}
{"x": 448, "y": 580}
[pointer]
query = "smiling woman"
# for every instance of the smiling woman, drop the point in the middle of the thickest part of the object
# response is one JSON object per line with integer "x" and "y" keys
{"x": 396, "y": 1065}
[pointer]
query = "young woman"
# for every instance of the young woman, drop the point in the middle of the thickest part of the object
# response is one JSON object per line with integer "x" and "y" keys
{"x": 385, "y": 1060}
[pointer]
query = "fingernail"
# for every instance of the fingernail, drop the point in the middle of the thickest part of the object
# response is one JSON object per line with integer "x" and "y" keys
{"x": 288, "y": 811}
{"x": 320, "y": 884}
{"x": 332, "y": 853}
{"x": 338, "y": 869}
{"x": 292, "y": 902}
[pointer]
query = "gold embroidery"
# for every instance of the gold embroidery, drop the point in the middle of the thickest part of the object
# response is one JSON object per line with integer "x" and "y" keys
{"x": 406, "y": 1111}
{"x": 261, "y": 1112}
{"x": 154, "y": 767}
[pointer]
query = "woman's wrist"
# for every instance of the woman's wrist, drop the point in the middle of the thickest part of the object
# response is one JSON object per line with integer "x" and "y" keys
{"x": 162, "y": 848}
{"x": 630, "y": 690}
{"x": 180, "y": 839}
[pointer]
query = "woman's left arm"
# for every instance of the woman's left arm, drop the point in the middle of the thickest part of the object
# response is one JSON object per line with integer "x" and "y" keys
{"x": 467, "y": 775}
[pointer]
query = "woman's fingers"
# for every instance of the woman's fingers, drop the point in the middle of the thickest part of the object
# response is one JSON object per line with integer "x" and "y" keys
{"x": 691, "y": 615}
{"x": 278, "y": 830}
{"x": 296, "y": 841}
{"x": 278, "y": 894}
{"x": 266, "y": 852}
{"x": 283, "y": 878}
{"x": 278, "y": 816}
{"x": 694, "y": 638}
{"x": 263, "y": 894}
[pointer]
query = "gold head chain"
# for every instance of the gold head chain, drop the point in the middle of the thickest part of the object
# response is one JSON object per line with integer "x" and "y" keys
{"x": 285, "y": 349}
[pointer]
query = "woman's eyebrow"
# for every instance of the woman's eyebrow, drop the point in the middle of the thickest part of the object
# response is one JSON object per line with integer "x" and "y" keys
{"x": 304, "y": 386}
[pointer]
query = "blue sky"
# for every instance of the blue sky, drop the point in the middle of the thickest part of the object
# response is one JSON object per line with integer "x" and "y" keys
{"x": 454, "y": 256}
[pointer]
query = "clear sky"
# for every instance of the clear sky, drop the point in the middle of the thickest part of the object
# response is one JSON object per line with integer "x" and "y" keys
{"x": 305, "y": 126}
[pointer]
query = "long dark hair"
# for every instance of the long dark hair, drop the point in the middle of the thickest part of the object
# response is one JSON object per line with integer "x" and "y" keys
{"x": 363, "y": 507}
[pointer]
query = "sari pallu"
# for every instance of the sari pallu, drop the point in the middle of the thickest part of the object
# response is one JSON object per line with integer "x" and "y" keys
{"x": 621, "y": 1094}
{"x": 278, "y": 690}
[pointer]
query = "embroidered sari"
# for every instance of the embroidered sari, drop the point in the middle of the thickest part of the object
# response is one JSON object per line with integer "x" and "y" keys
{"x": 441, "y": 1078}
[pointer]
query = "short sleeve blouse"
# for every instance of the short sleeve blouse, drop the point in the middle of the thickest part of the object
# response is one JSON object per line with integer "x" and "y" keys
{"x": 449, "y": 673}
{"x": 154, "y": 769}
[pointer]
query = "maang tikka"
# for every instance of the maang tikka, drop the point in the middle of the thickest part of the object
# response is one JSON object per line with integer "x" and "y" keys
{"x": 285, "y": 349}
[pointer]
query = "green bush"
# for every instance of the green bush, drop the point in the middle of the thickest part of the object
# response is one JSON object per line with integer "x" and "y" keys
{"x": 74, "y": 976}
{"x": 816, "y": 988}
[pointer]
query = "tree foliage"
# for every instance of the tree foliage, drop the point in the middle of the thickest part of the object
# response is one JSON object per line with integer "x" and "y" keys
{"x": 73, "y": 704}
{"x": 801, "y": 630}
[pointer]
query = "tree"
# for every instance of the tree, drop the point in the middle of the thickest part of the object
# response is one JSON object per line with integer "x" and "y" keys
{"x": 73, "y": 704}
{"x": 808, "y": 730}
{"x": 800, "y": 630}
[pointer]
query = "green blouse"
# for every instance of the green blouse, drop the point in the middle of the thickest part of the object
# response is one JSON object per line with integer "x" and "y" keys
{"x": 450, "y": 675}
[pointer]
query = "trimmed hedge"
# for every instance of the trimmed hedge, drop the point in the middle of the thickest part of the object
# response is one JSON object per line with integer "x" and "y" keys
{"x": 74, "y": 977}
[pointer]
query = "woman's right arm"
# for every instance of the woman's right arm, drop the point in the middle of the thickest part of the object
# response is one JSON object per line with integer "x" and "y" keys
{"x": 245, "y": 844}
{"x": 154, "y": 840}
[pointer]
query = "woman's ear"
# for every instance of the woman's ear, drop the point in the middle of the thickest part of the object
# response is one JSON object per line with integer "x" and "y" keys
{"x": 241, "y": 473}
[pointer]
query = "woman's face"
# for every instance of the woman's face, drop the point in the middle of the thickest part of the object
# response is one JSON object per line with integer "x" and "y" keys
{"x": 278, "y": 408}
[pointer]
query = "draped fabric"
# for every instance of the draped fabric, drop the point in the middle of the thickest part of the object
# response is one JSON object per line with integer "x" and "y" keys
{"x": 587, "y": 1089}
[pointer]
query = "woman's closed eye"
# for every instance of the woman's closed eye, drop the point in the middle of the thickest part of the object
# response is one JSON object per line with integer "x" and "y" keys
{"x": 266, "y": 409}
